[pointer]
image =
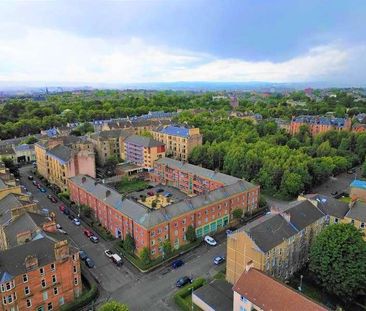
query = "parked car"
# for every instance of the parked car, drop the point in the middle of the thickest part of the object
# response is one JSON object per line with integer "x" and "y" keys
{"x": 351, "y": 171}
{"x": 167, "y": 194}
{"x": 34, "y": 182}
{"x": 89, "y": 262}
{"x": 30, "y": 177}
{"x": 88, "y": 233}
{"x": 159, "y": 190}
{"x": 43, "y": 190}
{"x": 45, "y": 212}
{"x": 66, "y": 211}
{"x": 210, "y": 241}
{"x": 76, "y": 221}
{"x": 82, "y": 255}
{"x": 177, "y": 263}
{"x": 150, "y": 193}
{"x": 94, "y": 239}
{"x": 229, "y": 231}
{"x": 334, "y": 193}
{"x": 53, "y": 199}
{"x": 62, "y": 231}
{"x": 71, "y": 217}
{"x": 62, "y": 208}
{"x": 58, "y": 226}
{"x": 218, "y": 260}
{"x": 108, "y": 253}
{"x": 183, "y": 281}
{"x": 117, "y": 260}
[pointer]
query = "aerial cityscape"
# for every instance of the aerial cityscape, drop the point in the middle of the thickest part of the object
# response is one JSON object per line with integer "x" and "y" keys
{"x": 183, "y": 155}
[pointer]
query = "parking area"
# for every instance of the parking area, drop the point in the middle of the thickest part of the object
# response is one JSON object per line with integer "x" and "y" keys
{"x": 174, "y": 194}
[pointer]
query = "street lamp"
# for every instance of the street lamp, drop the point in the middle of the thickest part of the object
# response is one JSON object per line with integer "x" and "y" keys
{"x": 300, "y": 287}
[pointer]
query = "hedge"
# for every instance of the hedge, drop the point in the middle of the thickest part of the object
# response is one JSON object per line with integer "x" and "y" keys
{"x": 82, "y": 301}
{"x": 180, "y": 295}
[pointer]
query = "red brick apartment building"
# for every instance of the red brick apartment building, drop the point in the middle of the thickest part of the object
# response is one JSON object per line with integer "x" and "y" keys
{"x": 40, "y": 275}
{"x": 211, "y": 199}
{"x": 319, "y": 124}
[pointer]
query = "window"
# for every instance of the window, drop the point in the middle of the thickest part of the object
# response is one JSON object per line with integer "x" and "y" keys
{"x": 26, "y": 290}
{"x": 74, "y": 257}
{"x": 362, "y": 225}
{"x": 4, "y": 300}
{"x": 74, "y": 268}
{"x": 49, "y": 306}
{"x": 54, "y": 279}
{"x": 53, "y": 267}
{"x": 184, "y": 221}
{"x": 41, "y": 271}
{"x": 55, "y": 290}
{"x": 75, "y": 281}
{"x": 43, "y": 283}
{"x": 242, "y": 308}
{"x": 153, "y": 252}
{"x": 159, "y": 230}
{"x": 29, "y": 303}
{"x": 206, "y": 212}
{"x": 166, "y": 228}
{"x": 45, "y": 295}
{"x": 61, "y": 301}
{"x": 152, "y": 233}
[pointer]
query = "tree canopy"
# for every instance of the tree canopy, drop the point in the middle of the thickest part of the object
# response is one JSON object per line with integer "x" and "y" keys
{"x": 113, "y": 305}
{"x": 338, "y": 260}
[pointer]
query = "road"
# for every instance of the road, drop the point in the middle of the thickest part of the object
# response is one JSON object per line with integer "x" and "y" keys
{"x": 150, "y": 291}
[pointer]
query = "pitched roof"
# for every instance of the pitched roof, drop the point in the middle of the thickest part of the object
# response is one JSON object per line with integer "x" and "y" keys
{"x": 217, "y": 294}
{"x": 329, "y": 206}
{"x": 269, "y": 294}
{"x": 358, "y": 184}
{"x": 61, "y": 152}
{"x": 339, "y": 122}
{"x": 357, "y": 211}
{"x": 200, "y": 171}
{"x": 272, "y": 229}
{"x": 149, "y": 218}
{"x": 173, "y": 130}
{"x": 26, "y": 222}
{"x": 7, "y": 203}
{"x": 143, "y": 141}
{"x": 12, "y": 260}
{"x": 110, "y": 134}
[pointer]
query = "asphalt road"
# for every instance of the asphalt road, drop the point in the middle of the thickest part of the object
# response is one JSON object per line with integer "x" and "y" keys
{"x": 150, "y": 291}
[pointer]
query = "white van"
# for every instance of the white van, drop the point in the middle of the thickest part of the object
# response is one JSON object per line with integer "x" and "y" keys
{"x": 117, "y": 260}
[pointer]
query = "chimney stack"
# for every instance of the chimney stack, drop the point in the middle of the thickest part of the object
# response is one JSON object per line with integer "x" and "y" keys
{"x": 31, "y": 262}
{"x": 61, "y": 250}
{"x": 249, "y": 265}
{"x": 83, "y": 179}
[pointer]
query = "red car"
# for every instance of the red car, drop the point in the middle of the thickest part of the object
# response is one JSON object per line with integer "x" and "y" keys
{"x": 88, "y": 233}
{"x": 150, "y": 193}
{"x": 61, "y": 208}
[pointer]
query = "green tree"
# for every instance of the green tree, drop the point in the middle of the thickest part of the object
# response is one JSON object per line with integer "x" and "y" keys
{"x": 129, "y": 244}
{"x": 145, "y": 256}
{"x": 338, "y": 260}
{"x": 113, "y": 305}
{"x": 191, "y": 234}
{"x": 167, "y": 247}
{"x": 325, "y": 150}
{"x": 85, "y": 210}
{"x": 237, "y": 213}
{"x": 291, "y": 184}
{"x": 30, "y": 140}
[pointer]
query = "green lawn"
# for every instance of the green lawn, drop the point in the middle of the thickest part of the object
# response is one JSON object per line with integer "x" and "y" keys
{"x": 345, "y": 199}
{"x": 126, "y": 186}
{"x": 188, "y": 299}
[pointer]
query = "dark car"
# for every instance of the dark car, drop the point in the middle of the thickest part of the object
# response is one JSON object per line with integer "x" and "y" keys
{"x": 62, "y": 208}
{"x": 34, "y": 182}
{"x": 183, "y": 281}
{"x": 177, "y": 263}
{"x": 159, "y": 190}
{"x": 94, "y": 239}
{"x": 150, "y": 193}
{"x": 334, "y": 193}
{"x": 83, "y": 255}
{"x": 30, "y": 177}
{"x": 71, "y": 217}
{"x": 89, "y": 262}
{"x": 66, "y": 211}
{"x": 351, "y": 171}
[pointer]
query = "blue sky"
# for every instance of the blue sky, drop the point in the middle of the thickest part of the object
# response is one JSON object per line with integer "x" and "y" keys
{"x": 157, "y": 41}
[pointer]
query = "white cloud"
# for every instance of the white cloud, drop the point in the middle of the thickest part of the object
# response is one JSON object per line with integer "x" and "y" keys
{"x": 54, "y": 56}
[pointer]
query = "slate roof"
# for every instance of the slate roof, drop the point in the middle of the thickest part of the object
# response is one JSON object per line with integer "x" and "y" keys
{"x": 330, "y": 206}
{"x": 7, "y": 203}
{"x": 269, "y": 294}
{"x": 143, "y": 141}
{"x": 339, "y": 122}
{"x": 26, "y": 222}
{"x": 173, "y": 130}
{"x": 3, "y": 184}
{"x": 110, "y": 134}
{"x": 358, "y": 184}
{"x": 218, "y": 295}
{"x": 272, "y": 229}
{"x": 61, "y": 152}
{"x": 149, "y": 218}
{"x": 200, "y": 171}
{"x": 12, "y": 260}
{"x": 24, "y": 147}
{"x": 358, "y": 211}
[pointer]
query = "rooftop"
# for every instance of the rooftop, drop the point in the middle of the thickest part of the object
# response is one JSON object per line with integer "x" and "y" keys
{"x": 173, "y": 130}
{"x": 143, "y": 141}
{"x": 329, "y": 206}
{"x": 149, "y": 218}
{"x": 218, "y": 295}
{"x": 340, "y": 122}
{"x": 7, "y": 203}
{"x": 110, "y": 134}
{"x": 61, "y": 152}
{"x": 269, "y": 294}
{"x": 200, "y": 171}
{"x": 357, "y": 211}
{"x": 358, "y": 184}
{"x": 272, "y": 229}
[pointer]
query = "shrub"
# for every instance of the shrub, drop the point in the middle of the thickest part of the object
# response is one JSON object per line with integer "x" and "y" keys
{"x": 180, "y": 295}
{"x": 129, "y": 244}
{"x": 81, "y": 301}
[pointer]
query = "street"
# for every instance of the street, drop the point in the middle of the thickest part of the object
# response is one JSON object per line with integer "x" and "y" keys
{"x": 150, "y": 291}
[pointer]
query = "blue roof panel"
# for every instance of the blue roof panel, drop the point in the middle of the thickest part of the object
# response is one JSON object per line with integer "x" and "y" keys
{"x": 175, "y": 131}
{"x": 359, "y": 184}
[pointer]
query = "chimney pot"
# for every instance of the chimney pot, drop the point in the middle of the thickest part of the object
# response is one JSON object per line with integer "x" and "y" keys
{"x": 83, "y": 179}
